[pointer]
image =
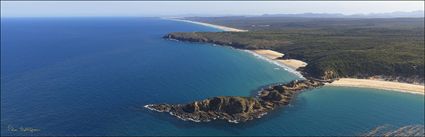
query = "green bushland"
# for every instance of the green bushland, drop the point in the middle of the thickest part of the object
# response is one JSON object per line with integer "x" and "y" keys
{"x": 333, "y": 48}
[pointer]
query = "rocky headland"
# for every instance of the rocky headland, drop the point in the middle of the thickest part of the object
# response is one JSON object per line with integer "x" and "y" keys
{"x": 236, "y": 108}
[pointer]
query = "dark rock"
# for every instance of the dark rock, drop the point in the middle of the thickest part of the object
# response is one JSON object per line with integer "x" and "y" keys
{"x": 237, "y": 109}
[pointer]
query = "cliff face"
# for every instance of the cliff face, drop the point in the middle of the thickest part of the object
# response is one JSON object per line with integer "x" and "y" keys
{"x": 282, "y": 94}
{"x": 229, "y": 105}
{"x": 234, "y": 108}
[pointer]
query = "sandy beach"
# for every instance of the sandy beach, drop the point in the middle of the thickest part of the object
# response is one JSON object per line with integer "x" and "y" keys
{"x": 379, "y": 84}
{"x": 270, "y": 54}
{"x": 273, "y": 55}
{"x": 346, "y": 82}
{"x": 224, "y": 28}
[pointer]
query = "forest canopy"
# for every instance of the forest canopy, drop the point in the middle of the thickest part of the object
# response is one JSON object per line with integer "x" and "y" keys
{"x": 390, "y": 48}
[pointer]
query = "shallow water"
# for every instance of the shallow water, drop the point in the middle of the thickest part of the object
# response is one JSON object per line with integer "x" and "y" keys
{"x": 92, "y": 76}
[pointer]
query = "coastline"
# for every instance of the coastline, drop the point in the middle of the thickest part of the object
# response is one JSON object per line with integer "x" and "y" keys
{"x": 274, "y": 55}
{"x": 224, "y": 28}
{"x": 235, "y": 109}
{"x": 271, "y": 56}
{"x": 379, "y": 84}
{"x": 292, "y": 65}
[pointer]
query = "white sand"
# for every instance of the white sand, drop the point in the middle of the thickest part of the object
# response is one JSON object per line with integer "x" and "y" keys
{"x": 293, "y": 63}
{"x": 273, "y": 55}
{"x": 224, "y": 28}
{"x": 269, "y": 53}
{"x": 379, "y": 84}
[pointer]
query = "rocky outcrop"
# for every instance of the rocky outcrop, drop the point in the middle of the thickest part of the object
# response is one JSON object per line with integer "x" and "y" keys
{"x": 391, "y": 130}
{"x": 282, "y": 94}
{"x": 234, "y": 108}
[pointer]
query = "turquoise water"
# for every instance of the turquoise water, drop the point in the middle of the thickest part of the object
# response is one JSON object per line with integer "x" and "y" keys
{"x": 92, "y": 76}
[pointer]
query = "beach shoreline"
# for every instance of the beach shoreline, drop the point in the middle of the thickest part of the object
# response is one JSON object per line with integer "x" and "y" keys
{"x": 224, "y": 28}
{"x": 379, "y": 84}
{"x": 273, "y": 60}
{"x": 274, "y": 55}
{"x": 292, "y": 65}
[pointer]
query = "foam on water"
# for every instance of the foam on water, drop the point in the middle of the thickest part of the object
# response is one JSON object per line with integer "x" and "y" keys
{"x": 286, "y": 68}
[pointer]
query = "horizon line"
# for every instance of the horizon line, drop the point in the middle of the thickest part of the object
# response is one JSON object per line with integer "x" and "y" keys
{"x": 245, "y": 15}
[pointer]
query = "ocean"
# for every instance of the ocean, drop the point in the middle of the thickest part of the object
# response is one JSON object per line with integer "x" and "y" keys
{"x": 92, "y": 76}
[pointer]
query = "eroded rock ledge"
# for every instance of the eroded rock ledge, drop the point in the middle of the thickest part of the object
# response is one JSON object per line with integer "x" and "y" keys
{"x": 235, "y": 108}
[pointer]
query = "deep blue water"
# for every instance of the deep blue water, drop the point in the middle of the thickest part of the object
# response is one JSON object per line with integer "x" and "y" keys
{"x": 92, "y": 76}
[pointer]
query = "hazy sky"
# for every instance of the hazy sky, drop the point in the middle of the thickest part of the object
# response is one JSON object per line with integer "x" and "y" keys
{"x": 170, "y": 8}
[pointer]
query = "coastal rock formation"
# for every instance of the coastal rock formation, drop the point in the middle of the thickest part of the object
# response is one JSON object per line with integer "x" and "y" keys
{"x": 225, "y": 107}
{"x": 237, "y": 109}
{"x": 390, "y": 130}
{"x": 278, "y": 95}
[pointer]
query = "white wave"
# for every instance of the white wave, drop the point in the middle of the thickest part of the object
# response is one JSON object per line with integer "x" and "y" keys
{"x": 289, "y": 69}
{"x": 149, "y": 106}
{"x": 185, "y": 119}
{"x": 233, "y": 121}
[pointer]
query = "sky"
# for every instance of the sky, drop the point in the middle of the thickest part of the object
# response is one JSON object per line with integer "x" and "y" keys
{"x": 207, "y": 8}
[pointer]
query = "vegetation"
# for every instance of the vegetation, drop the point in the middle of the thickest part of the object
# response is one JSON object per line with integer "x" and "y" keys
{"x": 237, "y": 108}
{"x": 390, "y": 48}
